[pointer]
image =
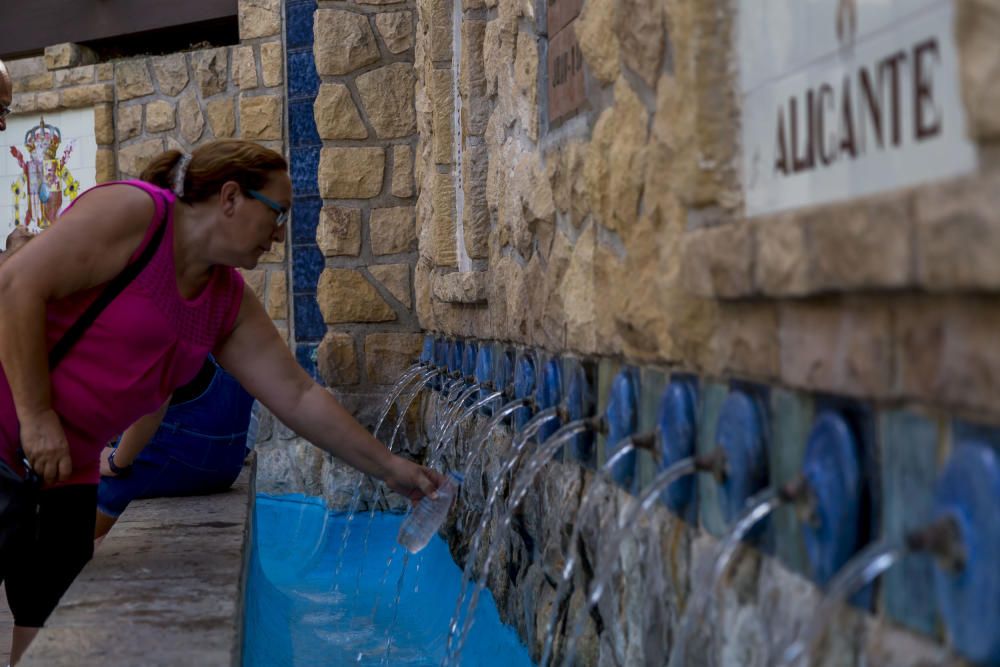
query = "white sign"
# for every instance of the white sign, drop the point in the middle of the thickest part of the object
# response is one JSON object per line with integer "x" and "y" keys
{"x": 46, "y": 160}
{"x": 844, "y": 98}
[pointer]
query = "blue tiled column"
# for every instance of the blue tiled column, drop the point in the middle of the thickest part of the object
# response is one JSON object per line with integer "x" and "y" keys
{"x": 304, "y": 144}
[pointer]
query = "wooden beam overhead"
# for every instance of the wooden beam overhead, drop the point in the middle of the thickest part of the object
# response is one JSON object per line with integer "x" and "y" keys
{"x": 28, "y": 26}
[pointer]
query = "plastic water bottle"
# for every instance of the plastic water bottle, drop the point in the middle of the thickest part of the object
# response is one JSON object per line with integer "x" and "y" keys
{"x": 428, "y": 515}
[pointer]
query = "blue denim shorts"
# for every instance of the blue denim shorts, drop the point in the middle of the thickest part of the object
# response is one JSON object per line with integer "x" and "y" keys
{"x": 198, "y": 449}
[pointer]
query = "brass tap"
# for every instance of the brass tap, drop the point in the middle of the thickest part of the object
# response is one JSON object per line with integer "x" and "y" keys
{"x": 943, "y": 540}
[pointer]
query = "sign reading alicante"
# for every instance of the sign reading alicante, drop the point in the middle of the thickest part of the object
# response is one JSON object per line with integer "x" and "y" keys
{"x": 843, "y": 98}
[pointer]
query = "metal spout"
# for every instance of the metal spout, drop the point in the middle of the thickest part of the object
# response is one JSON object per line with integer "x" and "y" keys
{"x": 943, "y": 540}
{"x": 715, "y": 462}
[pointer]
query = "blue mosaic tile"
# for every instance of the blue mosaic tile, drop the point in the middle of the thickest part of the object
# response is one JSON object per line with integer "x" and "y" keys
{"x": 305, "y": 219}
{"x": 304, "y": 165}
{"x": 309, "y": 324}
{"x": 305, "y": 354}
{"x": 302, "y": 78}
{"x": 307, "y": 264}
{"x": 299, "y": 24}
{"x": 302, "y": 124}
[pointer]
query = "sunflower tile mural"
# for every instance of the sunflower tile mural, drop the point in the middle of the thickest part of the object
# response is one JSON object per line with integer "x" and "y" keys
{"x": 45, "y": 162}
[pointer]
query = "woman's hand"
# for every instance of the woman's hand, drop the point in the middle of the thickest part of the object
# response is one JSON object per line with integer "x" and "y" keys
{"x": 106, "y": 470}
{"x": 46, "y": 447}
{"x": 412, "y": 481}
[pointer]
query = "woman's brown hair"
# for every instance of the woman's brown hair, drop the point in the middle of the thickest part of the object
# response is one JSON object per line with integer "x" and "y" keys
{"x": 215, "y": 163}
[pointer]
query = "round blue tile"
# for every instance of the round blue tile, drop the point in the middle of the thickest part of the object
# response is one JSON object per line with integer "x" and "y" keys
{"x": 579, "y": 404}
{"x": 524, "y": 386}
{"x": 549, "y": 395}
{"x": 832, "y": 469}
{"x": 677, "y": 419}
{"x": 622, "y": 414}
{"x": 740, "y": 432}
{"x": 969, "y": 492}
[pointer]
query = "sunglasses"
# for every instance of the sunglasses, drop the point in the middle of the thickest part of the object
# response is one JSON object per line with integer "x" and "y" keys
{"x": 5, "y": 111}
{"x": 273, "y": 205}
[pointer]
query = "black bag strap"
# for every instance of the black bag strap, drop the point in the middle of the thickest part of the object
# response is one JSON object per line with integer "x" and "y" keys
{"x": 113, "y": 289}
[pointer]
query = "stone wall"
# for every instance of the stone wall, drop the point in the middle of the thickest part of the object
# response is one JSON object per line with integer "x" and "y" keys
{"x": 616, "y": 228}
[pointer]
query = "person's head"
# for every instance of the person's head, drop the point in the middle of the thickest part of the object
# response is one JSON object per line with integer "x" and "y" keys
{"x": 239, "y": 184}
{"x": 6, "y": 95}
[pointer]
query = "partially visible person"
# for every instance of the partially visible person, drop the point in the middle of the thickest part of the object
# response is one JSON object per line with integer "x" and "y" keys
{"x": 17, "y": 238}
{"x": 194, "y": 444}
{"x": 196, "y": 217}
{"x": 6, "y": 95}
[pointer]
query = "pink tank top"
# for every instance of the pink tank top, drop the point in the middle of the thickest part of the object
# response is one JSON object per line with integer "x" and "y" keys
{"x": 146, "y": 343}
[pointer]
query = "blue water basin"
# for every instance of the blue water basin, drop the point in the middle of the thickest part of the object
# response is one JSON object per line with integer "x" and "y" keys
{"x": 306, "y": 606}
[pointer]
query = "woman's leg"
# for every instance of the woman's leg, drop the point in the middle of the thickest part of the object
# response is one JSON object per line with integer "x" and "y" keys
{"x": 104, "y": 523}
{"x": 42, "y": 569}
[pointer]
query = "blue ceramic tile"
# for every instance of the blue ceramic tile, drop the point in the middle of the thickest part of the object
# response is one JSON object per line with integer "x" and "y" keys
{"x": 302, "y": 124}
{"x": 792, "y": 415}
{"x": 305, "y": 218}
{"x": 304, "y": 165}
{"x": 909, "y": 470}
{"x": 307, "y": 264}
{"x": 305, "y": 354}
{"x": 309, "y": 324}
{"x": 299, "y": 24}
{"x": 302, "y": 78}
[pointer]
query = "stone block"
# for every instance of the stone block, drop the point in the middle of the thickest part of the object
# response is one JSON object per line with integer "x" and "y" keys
{"x": 22, "y": 67}
{"x": 387, "y": 355}
{"x": 76, "y": 76}
{"x": 132, "y": 159}
{"x": 460, "y": 287}
{"x": 336, "y": 115}
{"x": 387, "y": 98}
{"x": 339, "y": 231}
{"x": 275, "y": 255}
{"x": 640, "y": 26}
{"x": 48, "y": 101}
{"x": 745, "y": 341}
{"x": 259, "y": 18}
{"x": 260, "y": 117}
{"x": 34, "y": 83}
{"x": 976, "y": 26}
{"x": 105, "y": 71}
{"x": 598, "y": 41}
{"x": 25, "y": 102}
{"x": 171, "y": 73}
{"x": 910, "y": 448}
{"x": 837, "y": 345}
{"x": 68, "y": 54}
{"x": 476, "y": 106}
{"x": 396, "y": 279}
{"x": 392, "y": 230}
{"x": 211, "y": 70}
{"x": 105, "y": 165}
{"x": 277, "y": 296}
{"x": 441, "y": 114}
{"x": 958, "y": 235}
{"x": 782, "y": 263}
{"x": 336, "y": 359}
{"x": 402, "y": 171}
{"x": 256, "y": 280}
{"x": 945, "y": 351}
{"x": 190, "y": 118}
{"x": 440, "y": 31}
{"x": 129, "y": 121}
{"x": 864, "y": 244}
{"x": 272, "y": 64}
{"x": 132, "y": 79}
{"x": 344, "y": 41}
{"x": 345, "y": 295}
{"x": 104, "y": 124}
{"x": 476, "y": 213}
{"x": 791, "y": 420}
{"x": 351, "y": 173}
{"x": 221, "y": 114}
{"x": 718, "y": 262}
{"x": 245, "y": 68}
{"x": 526, "y": 83}
{"x": 87, "y": 96}
{"x": 396, "y": 29}
{"x": 160, "y": 116}
{"x": 443, "y": 249}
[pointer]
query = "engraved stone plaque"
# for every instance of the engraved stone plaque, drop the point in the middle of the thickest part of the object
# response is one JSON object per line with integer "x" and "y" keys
{"x": 565, "y": 66}
{"x": 561, "y": 12}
